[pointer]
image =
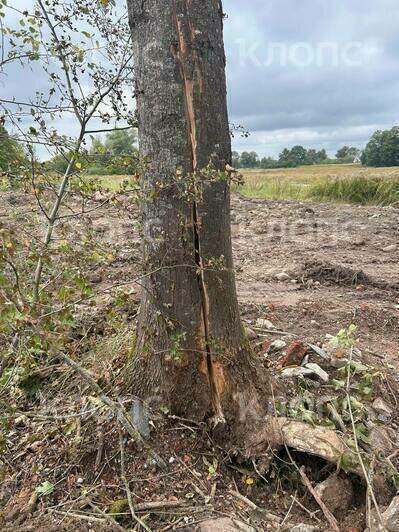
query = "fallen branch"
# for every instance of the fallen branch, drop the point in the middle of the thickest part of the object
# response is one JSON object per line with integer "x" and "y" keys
{"x": 116, "y": 408}
{"x": 253, "y": 506}
{"x": 156, "y": 505}
{"x": 370, "y": 490}
{"x": 127, "y": 489}
{"x": 327, "y": 514}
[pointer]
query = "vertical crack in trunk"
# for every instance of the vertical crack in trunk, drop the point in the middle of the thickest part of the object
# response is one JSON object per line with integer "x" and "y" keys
{"x": 188, "y": 86}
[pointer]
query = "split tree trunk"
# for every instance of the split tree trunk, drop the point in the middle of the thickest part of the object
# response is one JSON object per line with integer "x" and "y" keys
{"x": 191, "y": 347}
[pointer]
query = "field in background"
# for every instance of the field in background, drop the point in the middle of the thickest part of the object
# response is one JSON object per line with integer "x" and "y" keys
{"x": 346, "y": 183}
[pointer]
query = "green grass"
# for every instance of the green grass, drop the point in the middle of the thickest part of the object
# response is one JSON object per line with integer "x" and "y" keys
{"x": 346, "y": 183}
{"x": 362, "y": 191}
{"x": 341, "y": 184}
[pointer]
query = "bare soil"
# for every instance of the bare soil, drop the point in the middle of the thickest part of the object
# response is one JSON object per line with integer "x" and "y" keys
{"x": 338, "y": 274}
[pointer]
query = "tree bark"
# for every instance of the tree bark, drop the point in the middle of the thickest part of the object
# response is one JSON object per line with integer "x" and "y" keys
{"x": 191, "y": 347}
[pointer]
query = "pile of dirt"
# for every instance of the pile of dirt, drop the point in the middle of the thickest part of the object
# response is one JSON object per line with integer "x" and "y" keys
{"x": 323, "y": 271}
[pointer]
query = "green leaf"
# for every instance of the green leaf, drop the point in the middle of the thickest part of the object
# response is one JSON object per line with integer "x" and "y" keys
{"x": 46, "y": 488}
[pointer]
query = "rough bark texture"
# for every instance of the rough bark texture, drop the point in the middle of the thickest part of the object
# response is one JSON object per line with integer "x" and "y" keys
{"x": 190, "y": 339}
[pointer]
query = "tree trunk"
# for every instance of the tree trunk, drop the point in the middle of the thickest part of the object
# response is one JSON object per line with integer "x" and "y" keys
{"x": 191, "y": 347}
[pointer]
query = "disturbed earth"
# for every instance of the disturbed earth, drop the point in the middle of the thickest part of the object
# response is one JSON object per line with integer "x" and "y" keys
{"x": 304, "y": 271}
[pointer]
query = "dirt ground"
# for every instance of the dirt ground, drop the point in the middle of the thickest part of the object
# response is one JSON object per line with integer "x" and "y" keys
{"x": 342, "y": 267}
{"x": 271, "y": 237}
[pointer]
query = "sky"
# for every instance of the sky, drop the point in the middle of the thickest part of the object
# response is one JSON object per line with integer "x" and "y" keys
{"x": 311, "y": 72}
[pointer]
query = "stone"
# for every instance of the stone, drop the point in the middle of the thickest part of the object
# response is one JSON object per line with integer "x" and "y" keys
{"x": 265, "y": 324}
{"x": 359, "y": 241}
{"x": 382, "y": 440}
{"x": 319, "y": 351}
{"x": 295, "y": 354}
{"x": 336, "y": 493}
{"x": 290, "y": 373}
{"x": 303, "y": 528}
{"x": 389, "y": 249}
{"x": 224, "y": 524}
{"x": 282, "y": 276}
{"x": 383, "y": 410}
{"x": 317, "y": 370}
{"x": 277, "y": 345}
{"x": 95, "y": 278}
{"x": 391, "y": 516}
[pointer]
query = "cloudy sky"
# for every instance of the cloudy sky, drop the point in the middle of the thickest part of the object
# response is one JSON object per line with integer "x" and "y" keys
{"x": 317, "y": 73}
{"x": 313, "y": 72}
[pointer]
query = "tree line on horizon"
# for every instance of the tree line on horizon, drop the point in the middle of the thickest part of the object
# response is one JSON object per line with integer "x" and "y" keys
{"x": 296, "y": 156}
{"x": 117, "y": 154}
{"x": 382, "y": 150}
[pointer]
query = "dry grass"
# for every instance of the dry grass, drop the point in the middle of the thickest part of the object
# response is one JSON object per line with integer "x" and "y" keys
{"x": 346, "y": 183}
{"x": 341, "y": 183}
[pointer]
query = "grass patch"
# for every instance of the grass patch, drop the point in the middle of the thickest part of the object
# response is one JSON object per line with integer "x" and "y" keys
{"x": 362, "y": 191}
{"x": 327, "y": 183}
{"x": 344, "y": 183}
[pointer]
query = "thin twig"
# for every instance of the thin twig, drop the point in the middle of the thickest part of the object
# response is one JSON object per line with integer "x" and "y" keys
{"x": 327, "y": 514}
{"x": 127, "y": 489}
{"x": 116, "y": 408}
{"x": 370, "y": 489}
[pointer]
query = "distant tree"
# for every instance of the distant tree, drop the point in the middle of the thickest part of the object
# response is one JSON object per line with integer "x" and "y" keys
{"x": 297, "y": 156}
{"x": 11, "y": 153}
{"x": 382, "y": 149}
{"x": 321, "y": 156}
{"x": 311, "y": 157}
{"x": 236, "y": 159}
{"x": 268, "y": 162}
{"x": 249, "y": 159}
{"x": 121, "y": 142}
{"x": 117, "y": 155}
{"x": 98, "y": 155}
{"x": 347, "y": 153}
{"x": 284, "y": 159}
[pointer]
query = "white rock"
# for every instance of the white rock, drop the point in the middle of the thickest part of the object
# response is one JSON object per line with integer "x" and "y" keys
{"x": 277, "y": 345}
{"x": 290, "y": 373}
{"x": 391, "y": 516}
{"x": 383, "y": 410}
{"x": 317, "y": 370}
{"x": 389, "y": 249}
{"x": 264, "y": 324}
{"x": 224, "y": 524}
{"x": 282, "y": 276}
{"x": 303, "y": 528}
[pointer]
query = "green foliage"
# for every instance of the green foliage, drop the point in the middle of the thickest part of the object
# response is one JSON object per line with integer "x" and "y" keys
{"x": 296, "y": 156}
{"x": 11, "y": 153}
{"x": 46, "y": 488}
{"x": 363, "y": 191}
{"x": 382, "y": 149}
{"x": 249, "y": 160}
{"x": 345, "y": 338}
{"x": 118, "y": 155}
{"x": 121, "y": 142}
{"x": 357, "y": 190}
{"x": 347, "y": 154}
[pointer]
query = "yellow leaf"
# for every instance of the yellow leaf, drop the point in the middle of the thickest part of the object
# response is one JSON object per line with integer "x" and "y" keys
{"x": 110, "y": 258}
{"x": 78, "y": 165}
{"x": 9, "y": 245}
